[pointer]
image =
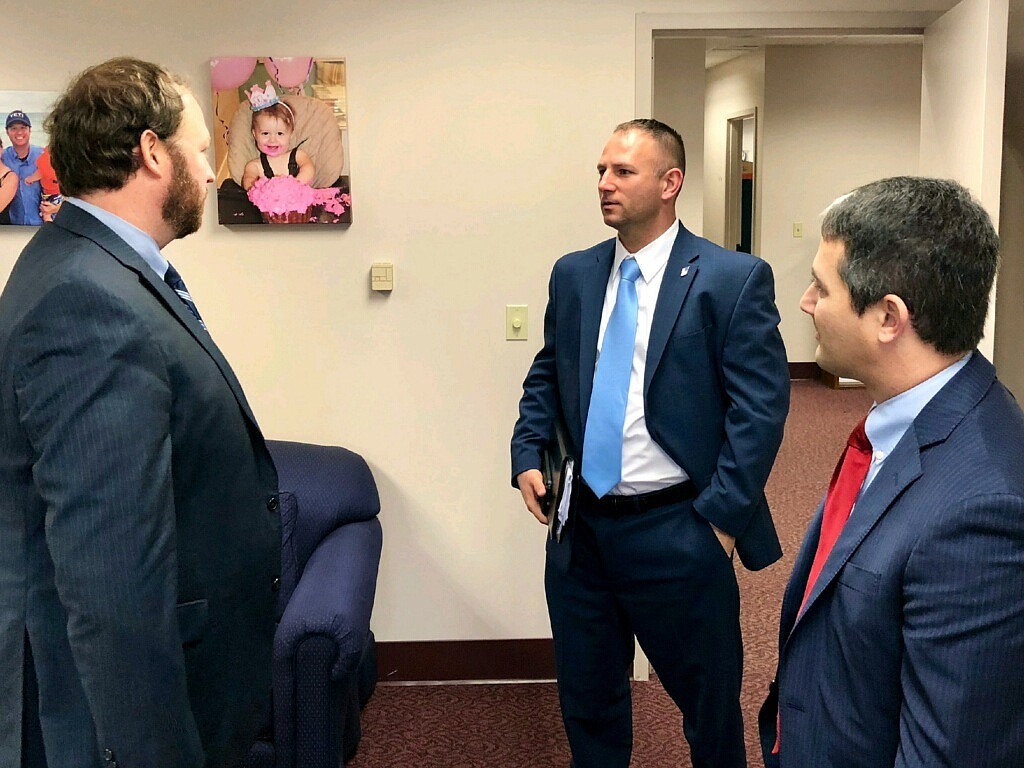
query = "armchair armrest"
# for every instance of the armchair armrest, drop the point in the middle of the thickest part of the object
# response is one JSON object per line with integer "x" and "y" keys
{"x": 323, "y": 634}
{"x": 334, "y": 596}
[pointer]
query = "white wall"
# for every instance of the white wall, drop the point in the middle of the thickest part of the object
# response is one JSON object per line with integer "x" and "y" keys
{"x": 835, "y": 117}
{"x": 475, "y": 128}
{"x": 731, "y": 88}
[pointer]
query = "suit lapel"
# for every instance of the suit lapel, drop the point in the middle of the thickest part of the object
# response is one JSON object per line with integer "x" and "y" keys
{"x": 675, "y": 284}
{"x": 901, "y": 468}
{"x": 592, "y": 290}
{"x": 85, "y": 225}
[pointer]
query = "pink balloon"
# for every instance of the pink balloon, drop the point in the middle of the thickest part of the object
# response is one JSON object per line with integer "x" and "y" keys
{"x": 289, "y": 71}
{"x": 229, "y": 72}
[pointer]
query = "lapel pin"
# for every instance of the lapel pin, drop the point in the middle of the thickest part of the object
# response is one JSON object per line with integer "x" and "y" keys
{"x": 685, "y": 272}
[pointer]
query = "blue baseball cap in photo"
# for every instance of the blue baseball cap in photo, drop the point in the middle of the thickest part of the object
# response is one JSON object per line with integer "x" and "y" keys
{"x": 17, "y": 116}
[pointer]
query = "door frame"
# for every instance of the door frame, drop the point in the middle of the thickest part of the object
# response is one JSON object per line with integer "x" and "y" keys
{"x": 767, "y": 24}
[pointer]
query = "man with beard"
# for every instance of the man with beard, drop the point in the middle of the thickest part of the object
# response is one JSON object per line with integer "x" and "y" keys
{"x": 139, "y": 518}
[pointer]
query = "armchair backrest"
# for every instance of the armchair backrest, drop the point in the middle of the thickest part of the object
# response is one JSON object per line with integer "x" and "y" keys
{"x": 331, "y": 486}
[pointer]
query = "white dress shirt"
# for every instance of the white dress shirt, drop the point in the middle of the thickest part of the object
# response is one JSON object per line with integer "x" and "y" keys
{"x": 645, "y": 466}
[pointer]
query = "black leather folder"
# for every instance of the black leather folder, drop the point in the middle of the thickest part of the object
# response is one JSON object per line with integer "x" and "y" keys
{"x": 557, "y": 465}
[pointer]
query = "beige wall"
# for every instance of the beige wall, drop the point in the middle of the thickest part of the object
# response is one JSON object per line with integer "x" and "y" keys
{"x": 677, "y": 93}
{"x": 475, "y": 127}
{"x": 835, "y": 117}
{"x": 1009, "y": 321}
{"x": 963, "y": 78}
{"x": 731, "y": 88}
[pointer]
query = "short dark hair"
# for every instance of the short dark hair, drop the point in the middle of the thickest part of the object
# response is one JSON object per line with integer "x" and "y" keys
{"x": 96, "y": 124}
{"x": 928, "y": 242}
{"x": 667, "y": 136}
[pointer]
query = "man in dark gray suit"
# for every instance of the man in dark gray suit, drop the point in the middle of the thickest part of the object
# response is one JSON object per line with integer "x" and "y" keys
{"x": 139, "y": 525}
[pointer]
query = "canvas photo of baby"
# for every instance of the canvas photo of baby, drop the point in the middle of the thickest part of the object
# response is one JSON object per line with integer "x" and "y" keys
{"x": 281, "y": 140}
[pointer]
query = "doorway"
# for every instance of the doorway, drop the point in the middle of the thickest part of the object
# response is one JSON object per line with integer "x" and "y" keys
{"x": 962, "y": 73}
{"x": 740, "y": 178}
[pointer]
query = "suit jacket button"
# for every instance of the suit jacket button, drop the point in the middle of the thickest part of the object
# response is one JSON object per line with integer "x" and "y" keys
{"x": 273, "y": 504}
{"x": 276, "y": 583}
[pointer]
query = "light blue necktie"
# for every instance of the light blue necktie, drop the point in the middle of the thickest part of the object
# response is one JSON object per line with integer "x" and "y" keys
{"x": 602, "y": 440}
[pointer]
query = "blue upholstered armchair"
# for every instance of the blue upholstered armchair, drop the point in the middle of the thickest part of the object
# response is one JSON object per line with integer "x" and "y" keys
{"x": 325, "y": 665}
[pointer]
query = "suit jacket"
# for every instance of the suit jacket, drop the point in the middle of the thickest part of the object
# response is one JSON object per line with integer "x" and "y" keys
{"x": 141, "y": 537}
{"x": 910, "y": 650}
{"x": 716, "y": 388}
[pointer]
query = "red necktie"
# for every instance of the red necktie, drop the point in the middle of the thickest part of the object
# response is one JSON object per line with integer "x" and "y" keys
{"x": 842, "y": 493}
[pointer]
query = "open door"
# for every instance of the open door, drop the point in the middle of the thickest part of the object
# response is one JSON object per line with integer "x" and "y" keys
{"x": 962, "y": 90}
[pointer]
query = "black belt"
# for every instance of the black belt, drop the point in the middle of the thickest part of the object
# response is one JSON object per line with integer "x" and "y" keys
{"x": 617, "y": 506}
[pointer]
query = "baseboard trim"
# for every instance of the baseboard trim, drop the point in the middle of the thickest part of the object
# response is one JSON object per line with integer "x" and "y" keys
{"x": 805, "y": 371}
{"x": 465, "y": 660}
{"x": 435, "y": 661}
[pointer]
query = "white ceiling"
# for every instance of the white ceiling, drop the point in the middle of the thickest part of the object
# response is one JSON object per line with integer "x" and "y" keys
{"x": 722, "y": 49}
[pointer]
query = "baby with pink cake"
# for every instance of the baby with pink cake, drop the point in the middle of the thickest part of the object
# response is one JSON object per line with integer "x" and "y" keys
{"x": 278, "y": 182}
{"x": 272, "y": 126}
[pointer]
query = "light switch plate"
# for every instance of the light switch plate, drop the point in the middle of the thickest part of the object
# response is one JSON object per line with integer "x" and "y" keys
{"x": 517, "y": 322}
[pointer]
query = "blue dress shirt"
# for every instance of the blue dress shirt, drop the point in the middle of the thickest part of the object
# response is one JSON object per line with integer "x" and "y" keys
{"x": 24, "y": 207}
{"x": 888, "y": 421}
{"x": 139, "y": 241}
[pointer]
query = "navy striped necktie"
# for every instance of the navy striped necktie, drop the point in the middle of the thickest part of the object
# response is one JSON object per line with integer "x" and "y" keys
{"x": 173, "y": 279}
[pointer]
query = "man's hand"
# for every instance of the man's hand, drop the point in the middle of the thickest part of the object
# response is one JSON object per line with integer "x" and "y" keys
{"x": 531, "y": 485}
{"x": 728, "y": 542}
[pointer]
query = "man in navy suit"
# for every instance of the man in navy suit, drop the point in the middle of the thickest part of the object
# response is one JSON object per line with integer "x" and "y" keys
{"x": 704, "y": 393}
{"x": 139, "y": 513}
{"x": 901, "y": 643}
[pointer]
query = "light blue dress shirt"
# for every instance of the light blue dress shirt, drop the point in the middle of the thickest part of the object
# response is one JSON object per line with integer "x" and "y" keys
{"x": 139, "y": 241}
{"x": 887, "y": 422}
{"x": 24, "y": 207}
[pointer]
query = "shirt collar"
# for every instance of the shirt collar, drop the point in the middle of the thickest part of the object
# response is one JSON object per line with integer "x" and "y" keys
{"x": 888, "y": 421}
{"x": 139, "y": 241}
{"x": 653, "y": 257}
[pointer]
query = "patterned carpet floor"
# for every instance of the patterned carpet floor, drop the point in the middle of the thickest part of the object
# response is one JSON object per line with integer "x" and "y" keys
{"x": 518, "y": 725}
